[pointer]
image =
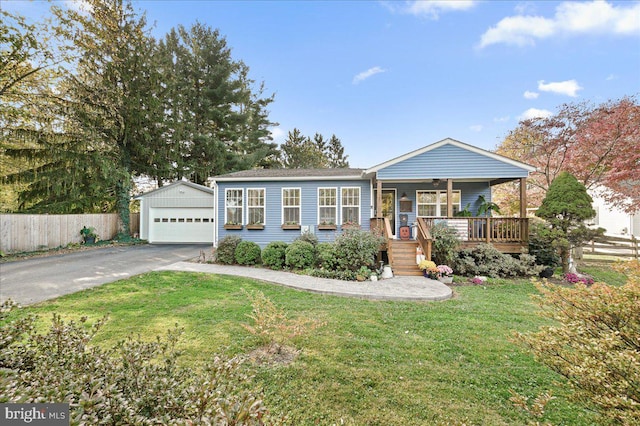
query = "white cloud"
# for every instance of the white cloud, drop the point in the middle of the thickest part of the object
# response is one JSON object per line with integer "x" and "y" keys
{"x": 535, "y": 113}
{"x": 531, "y": 95}
{"x": 476, "y": 127}
{"x": 611, "y": 77}
{"x": 432, "y": 9}
{"x": 278, "y": 134}
{"x": 568, "y": 87}
{"x": 366, "y": 74}
{"x": 501, "y": 119}
{"x": 78, "y": 5}
{"x": 571, "y": 18}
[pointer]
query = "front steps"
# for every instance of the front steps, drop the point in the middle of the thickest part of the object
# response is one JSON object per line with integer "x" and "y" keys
{"x": 403, "y": 257}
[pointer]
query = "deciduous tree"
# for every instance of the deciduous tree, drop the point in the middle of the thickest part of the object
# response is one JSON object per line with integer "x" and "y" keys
{"x": 597, "y": 144}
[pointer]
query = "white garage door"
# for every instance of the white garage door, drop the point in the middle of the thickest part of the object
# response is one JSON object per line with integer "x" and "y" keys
{"x": 181, "y": 225}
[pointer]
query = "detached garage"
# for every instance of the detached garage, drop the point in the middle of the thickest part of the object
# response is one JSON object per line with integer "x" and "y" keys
{"x": 178, "y": 213}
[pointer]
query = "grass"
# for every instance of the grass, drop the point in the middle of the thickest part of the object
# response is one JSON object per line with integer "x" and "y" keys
{"x": 373, "y": 363}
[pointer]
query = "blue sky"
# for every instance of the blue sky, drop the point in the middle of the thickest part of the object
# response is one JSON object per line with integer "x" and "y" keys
{"x": 388, "y": 77}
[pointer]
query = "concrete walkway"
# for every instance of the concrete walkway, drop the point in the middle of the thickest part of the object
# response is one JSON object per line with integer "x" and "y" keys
{"x": 396, "y": 288}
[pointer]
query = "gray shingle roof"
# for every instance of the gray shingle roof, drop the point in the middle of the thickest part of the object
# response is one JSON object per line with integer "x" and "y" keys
{"x": 290, "y": 173}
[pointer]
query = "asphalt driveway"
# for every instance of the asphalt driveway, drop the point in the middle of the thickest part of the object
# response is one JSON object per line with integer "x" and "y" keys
{"x": 34, "y": 280}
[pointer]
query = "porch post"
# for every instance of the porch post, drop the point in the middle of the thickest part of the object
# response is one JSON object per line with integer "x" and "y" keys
{"x": 378, "y": 199}
{"x": 449, "y": 197}
{"x": 523, "y": 198}
{"x": 524, "y": 223}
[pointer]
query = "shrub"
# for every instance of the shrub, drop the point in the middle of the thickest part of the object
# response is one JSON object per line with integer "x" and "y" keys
{"x": 541, "y": 245}
{"x": 484, "y": 259}
{"x": 273, "y": 255}
{"x": 332, "y": 274}
{"x": 308, "y": 237}
{"x": 247, "y": 253}
{"x": 226, "y": 252}
{"x": 272, "y": 325}
{"x": 445, "y": 243}
{"x": 594, "y": 342}
{"x": 326, "y": 256}
{"x": 300, "y": 255}
{"x": 133, "y": 382}
{"x": 355, "y": 248}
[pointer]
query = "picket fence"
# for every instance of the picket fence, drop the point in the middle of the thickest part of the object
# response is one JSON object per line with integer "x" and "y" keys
{"x": 31, "y": 232}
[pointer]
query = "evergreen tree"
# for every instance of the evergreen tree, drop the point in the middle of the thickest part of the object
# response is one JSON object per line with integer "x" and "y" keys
{"x": 301, "y": 152}
{"x": 566, "y": 206}
{"x": 335, "y": 154}
{"x": 215, "y": 121}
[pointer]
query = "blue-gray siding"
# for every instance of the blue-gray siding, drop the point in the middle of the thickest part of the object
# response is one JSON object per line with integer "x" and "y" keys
{"x": 273, "y": 212}
{"x": 450, "y": 161}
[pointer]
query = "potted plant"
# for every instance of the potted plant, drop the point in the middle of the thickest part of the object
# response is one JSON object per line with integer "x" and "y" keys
{"x": 445, "y": 274}
{"x": 89, "y": 235}
{"x": 429, "y": 269}
{"x": 232, "y": 225}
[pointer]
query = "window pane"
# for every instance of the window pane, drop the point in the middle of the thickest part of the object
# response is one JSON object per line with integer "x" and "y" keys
{"x": 234, "y": 215}
{"x": 291, "y": 215}
{"x": 350, "y": 214}
{"x": 427, "y": 210}
{"x": 328, "y": 215}
{"x": 256, "y": 215}
{"x": 427, "y": 197}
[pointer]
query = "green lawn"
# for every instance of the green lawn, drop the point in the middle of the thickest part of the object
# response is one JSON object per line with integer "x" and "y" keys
{"x": 373, "y": 363}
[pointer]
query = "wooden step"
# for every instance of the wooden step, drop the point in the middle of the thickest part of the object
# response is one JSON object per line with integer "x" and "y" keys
{"x": 404, "y": 258}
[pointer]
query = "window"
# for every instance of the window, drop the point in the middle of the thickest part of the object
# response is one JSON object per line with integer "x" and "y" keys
{"x": 291, "y": 206}
{"x": 233, "y": 206}
{"x": 327, "y": 206}
{"x": 351, "y": 205}
{"x": 434, "y": 203}
{"x": 255, "y": 206}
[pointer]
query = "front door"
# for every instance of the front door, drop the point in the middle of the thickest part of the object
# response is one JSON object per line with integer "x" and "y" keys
{"x": 389, "y": 207}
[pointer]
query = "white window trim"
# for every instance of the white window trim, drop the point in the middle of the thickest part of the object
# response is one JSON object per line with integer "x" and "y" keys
{"x": 439, "y": 206}
{"x": 335, "y": 206}
{"x": 359, "y": 205}
{"x": 241, "y": 206}
{"x": 282, "y": 206}
{"x": 263, "y": 207}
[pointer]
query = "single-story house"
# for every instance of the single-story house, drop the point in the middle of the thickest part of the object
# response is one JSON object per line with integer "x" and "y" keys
{"x": 401, "y": 198}
{"x": 182, "y": 212}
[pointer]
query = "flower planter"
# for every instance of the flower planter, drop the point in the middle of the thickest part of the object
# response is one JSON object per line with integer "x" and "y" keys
{"x": 236, "y": 227}
{"x": 446, "y": 280}
{"x": 292, "y": 227}
{"x": 327, "y": 227}
{"x": 255, "y": 226}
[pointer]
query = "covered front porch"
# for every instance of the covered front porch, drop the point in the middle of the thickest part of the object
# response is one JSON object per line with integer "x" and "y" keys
{"x": 447, "y": 182}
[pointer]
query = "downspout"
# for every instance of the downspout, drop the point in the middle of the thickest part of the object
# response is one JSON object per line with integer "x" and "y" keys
{"x": 214, "y": 186}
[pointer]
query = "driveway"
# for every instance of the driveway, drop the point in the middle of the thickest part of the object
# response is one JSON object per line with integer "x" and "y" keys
{"x": 34, "y": 280}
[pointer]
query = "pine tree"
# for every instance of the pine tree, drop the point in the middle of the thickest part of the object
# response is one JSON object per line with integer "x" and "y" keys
{"x": 566, "y": 206}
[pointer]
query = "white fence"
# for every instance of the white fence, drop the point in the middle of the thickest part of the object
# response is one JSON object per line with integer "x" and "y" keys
{"x": 30, "y": 232}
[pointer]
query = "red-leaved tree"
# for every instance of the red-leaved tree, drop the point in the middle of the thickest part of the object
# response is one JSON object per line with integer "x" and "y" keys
{"x": 599, "y": 145}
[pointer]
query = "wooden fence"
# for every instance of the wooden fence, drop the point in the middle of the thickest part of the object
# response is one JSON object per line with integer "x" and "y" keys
{"x": 613, "y": 246}
{"x": 30, "y": 232}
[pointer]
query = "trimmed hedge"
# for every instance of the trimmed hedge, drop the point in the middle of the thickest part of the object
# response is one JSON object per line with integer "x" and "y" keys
{"x": 248, "y": 253}
{"x": 300, "y": 255}
{"x": 274, "y": 255}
